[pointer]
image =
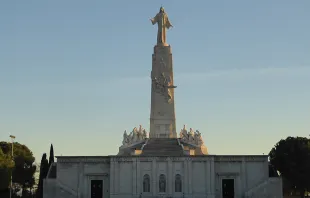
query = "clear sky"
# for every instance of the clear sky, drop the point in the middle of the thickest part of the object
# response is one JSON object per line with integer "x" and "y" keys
{"x": 77, "y": 73}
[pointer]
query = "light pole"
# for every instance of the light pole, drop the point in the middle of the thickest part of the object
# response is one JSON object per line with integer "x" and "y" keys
{"x": 12, "y": 139}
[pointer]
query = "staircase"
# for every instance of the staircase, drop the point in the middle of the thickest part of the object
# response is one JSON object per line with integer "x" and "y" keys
{"x": 162, "y": 147}
{"x": 269, "y": 188}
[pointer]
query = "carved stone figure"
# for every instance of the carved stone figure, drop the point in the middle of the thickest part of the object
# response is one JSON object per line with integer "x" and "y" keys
{"x": 163, "y": 23}
{"x": 191, "y": 136}
{"x": 144, "y": 134}
{"x": 162, "y": 85}
{"x": 191, "y": 132}
{"x": 198, "y": 138}
{"x": 134, "y": 136}
{"x": 183, "y": 134}
{"x": 125, "y": 138}
{"x": 162, "y": 63}
{"x": 162, "y": 183}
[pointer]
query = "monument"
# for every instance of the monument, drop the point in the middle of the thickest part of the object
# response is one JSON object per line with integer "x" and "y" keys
{"x": 161, "y": 163}
{"x": 162, "y": 120}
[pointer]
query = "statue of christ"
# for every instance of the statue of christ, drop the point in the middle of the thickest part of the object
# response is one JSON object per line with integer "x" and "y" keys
{"x": 163, "y": 22}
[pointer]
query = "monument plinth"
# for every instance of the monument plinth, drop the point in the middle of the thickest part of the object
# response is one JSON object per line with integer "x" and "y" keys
{"x": 162, "y": 118}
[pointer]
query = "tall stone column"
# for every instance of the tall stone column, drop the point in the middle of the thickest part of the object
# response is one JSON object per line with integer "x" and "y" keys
{"x": 162, "y": 118}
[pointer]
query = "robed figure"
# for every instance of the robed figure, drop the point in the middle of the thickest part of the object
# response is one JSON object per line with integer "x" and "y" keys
{"x": 163, "y": 23}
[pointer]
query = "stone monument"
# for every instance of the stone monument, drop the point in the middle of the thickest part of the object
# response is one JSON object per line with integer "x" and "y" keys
{"x": 161, "y": 165}
{"x": 162, "y": 118}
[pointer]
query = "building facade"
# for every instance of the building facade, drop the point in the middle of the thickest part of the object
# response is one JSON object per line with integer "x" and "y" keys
{"x": 196, "y": 176}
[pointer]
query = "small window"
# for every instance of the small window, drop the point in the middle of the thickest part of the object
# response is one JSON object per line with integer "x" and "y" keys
{"x": 162, "y": 183}
{"x": 178, "y": 183}
{"x": 146, "y": 183}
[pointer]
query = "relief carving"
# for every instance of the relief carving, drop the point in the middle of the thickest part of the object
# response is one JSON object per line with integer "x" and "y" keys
{"x": 163, "y": 85}
{"x": 162, "y": 63}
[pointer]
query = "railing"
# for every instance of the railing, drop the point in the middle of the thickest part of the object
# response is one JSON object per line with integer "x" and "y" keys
{"x": 144, "y": 144}
{"x": 269, "y": 188}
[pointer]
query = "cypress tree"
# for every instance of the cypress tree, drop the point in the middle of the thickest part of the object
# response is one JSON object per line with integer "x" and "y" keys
{"x": 43, "y": 174}
{"x": 51, "y": 158}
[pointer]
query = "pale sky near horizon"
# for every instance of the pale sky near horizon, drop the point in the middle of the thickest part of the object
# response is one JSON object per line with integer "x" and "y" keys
{"x": 77, "y": 73}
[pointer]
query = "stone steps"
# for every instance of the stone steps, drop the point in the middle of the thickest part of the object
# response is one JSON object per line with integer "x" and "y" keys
{"x": 162, "y": 147}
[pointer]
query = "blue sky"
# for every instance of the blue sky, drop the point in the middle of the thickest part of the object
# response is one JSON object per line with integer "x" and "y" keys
{"x": 76, "y": 73}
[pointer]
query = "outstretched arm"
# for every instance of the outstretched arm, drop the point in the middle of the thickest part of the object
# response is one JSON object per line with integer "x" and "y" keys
{"x": 168, "y": 24}
{"x": 154, "y": 20}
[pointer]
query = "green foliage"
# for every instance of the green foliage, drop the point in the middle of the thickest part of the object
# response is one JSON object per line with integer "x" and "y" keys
{"x": 23, "y": 171}
{"x": 291, "y": 157}
{"x": 5, "y": 160}
{"x": 6, "y": 165}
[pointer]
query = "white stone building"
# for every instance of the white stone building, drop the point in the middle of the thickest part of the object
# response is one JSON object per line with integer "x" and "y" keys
{"x": 162, "y": 164}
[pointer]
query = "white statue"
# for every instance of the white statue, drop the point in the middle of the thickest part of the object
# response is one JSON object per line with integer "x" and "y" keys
{"x": 183, "y": 134}
{"x": 140, "y": 133}
{"x": 198, "y": 138}
{"x": 135, "y": 134}
{"x": 144, "y": 134}
{"x": 191, "y": 132}
{"x": 125, "y": 138}
{"x": 163, "y": 23}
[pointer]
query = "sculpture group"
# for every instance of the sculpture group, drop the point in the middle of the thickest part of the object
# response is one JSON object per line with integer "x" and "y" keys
{"x": 191, "y": 136}
{"x": 136, "y": 135}
{"x": 162, "y": 85}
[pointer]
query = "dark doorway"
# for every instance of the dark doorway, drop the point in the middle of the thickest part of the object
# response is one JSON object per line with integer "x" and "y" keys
{"x": 96, "y": 189}
{"x": 228, "y": 188}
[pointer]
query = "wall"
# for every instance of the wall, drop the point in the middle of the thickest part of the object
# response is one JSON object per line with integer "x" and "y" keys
{"x": 50, "y": 188}
{"x": 74, "y": 174}
{"x": 67, "y": 173}
{"x": 247, "y": 172}
{"x": 123, "y": 176}
{"x": 256, "y": 173}
{"x": 129, "y": 172}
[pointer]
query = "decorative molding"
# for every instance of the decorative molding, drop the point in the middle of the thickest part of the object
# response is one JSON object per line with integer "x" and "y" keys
{"x": 146, "y": 159}
{"x": 73, "y": 160}
{"x": 256, "y": 158}
{"x": 228, "y": 174}
{"x": 240, "y": 158}
{"x": 228, "y": 159}
{"x": 90, "y": 175}
{"x": 108, "y": 159}
{"x": 122, "y": 159}
{"x": 175, "y": 159}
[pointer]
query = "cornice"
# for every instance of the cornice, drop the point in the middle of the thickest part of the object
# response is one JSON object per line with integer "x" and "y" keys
{"x": 85, "y": 159}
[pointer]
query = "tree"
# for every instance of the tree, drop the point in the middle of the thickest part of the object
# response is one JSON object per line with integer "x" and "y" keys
{"x": 51, "y": 158}
{"x": 6, "y": 165}
{"x": 43, "y": 173}
{"x": 23, "y": 170}
{"x": 291, "y": 157}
